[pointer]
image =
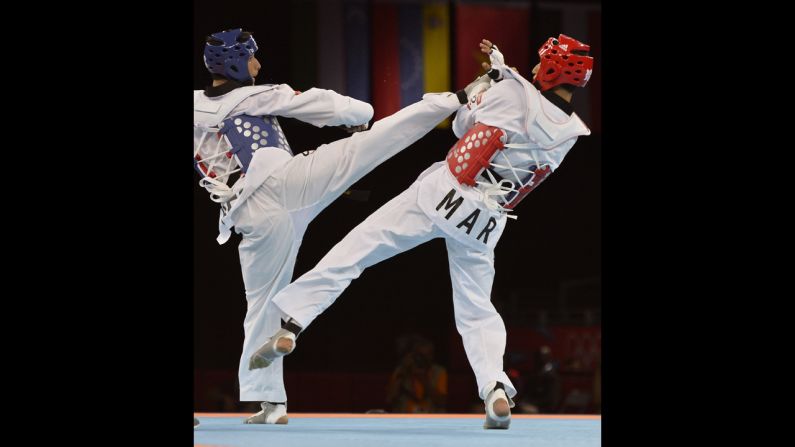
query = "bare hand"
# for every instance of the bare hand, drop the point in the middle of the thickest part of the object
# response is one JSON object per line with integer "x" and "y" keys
{"x": 486, "y": 47}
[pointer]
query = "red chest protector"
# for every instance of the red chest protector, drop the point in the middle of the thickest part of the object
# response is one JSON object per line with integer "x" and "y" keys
{"x": 470, "y": 155}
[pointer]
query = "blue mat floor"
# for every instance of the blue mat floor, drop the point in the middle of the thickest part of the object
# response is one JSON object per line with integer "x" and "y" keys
{"x": 388, "y": 432}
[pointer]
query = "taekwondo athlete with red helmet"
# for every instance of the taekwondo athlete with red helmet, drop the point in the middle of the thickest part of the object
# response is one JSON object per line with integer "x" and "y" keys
{"x": 512, "y": 136}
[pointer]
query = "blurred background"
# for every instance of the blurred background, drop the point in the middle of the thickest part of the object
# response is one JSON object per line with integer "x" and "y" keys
{"x": 548, "y": 282}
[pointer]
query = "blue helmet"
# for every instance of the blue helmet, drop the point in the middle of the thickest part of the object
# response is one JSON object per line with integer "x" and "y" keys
{"x": 227, "y": 54}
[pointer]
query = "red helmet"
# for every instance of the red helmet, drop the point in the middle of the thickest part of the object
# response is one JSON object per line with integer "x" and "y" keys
{"x": 559, "y": 64}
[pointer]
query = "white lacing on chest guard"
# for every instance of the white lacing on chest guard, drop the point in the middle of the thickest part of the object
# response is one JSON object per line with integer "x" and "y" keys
{"x": 493, "y": 188}
{"x": 495, "y": 194}
{"x": 215, "y": 163}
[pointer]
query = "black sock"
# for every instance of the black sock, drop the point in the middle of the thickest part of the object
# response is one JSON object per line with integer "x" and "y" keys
{"x": 292, "y": 326}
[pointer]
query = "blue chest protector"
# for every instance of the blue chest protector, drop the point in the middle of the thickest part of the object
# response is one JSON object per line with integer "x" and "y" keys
{"x": 247, "y": 134}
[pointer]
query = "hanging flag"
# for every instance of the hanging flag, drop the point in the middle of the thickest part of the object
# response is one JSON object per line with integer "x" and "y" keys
{"x": 411, "y": 53}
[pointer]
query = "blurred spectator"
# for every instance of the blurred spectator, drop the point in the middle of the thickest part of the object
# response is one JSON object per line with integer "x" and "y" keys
{"x": 576, "y": 402}
{"x": 515, "y": 362}
{"x": 543, "y": 388}
{"x": 418, "y": 385}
